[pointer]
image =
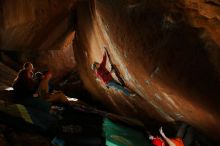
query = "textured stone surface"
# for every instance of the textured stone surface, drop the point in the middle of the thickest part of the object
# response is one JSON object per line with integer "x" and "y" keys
{"x": 31, "y": 24}
{"x": 60, "y": 61}
{"x": 40, "y": 32}
{"x": 7, "y": 75}
{"x": 167, "y": 52}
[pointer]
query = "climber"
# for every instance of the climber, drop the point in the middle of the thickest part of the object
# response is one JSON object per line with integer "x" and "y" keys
{"x": 105, "y": 76}
{"x": 184, "y": 137}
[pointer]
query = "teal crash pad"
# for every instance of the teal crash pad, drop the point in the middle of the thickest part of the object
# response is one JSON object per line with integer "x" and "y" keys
{"x": 120, "y": 135}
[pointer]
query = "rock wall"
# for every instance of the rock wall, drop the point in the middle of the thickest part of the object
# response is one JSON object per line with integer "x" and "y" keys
{"x": 7, "y": 76}
{"x": 40, "y": 32}
{"x": 167, "y": 52}
{"x": 60, "y": 61}
{"x": 35, "y": 25}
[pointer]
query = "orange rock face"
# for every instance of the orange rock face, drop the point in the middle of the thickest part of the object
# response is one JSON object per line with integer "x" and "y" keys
{"x": 166, "y": 52}
{"x": 34, "y": 25}
{"x": 41, "y": 31}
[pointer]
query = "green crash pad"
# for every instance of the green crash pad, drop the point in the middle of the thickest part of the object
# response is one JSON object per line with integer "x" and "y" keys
{"x": 119, "y": 135}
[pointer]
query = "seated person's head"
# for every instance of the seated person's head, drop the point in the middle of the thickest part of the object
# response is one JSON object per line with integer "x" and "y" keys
{"x": 28, "y": 66}
{"x": 95, "y": 66}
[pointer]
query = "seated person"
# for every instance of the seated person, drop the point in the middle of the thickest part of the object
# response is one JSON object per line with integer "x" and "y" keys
{"x": 24, "y": 84}
{"x": 43, "y": 90}
{"x": 25, "y": 89}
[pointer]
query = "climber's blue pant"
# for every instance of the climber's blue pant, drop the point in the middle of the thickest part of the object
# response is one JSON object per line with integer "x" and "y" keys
{"x": 118, "y": 87}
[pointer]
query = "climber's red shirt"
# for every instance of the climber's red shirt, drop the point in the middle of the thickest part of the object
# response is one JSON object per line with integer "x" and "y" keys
{"x": 102, "y": 73}
{"x": 158, "y": 142}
